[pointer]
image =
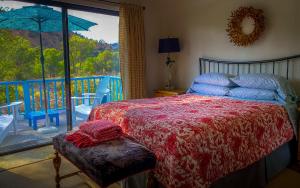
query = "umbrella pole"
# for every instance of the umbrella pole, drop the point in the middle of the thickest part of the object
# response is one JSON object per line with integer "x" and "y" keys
{"x": 47, "y": 123}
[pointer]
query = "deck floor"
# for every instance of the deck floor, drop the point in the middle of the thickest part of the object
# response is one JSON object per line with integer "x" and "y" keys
{"x": 27, "y": 137}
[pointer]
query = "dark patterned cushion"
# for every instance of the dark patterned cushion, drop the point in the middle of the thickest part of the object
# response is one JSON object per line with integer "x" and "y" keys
{"x": 108, "y": 162}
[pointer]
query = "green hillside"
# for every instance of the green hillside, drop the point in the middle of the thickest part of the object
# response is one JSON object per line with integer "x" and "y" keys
{"x": 19, "y": 56}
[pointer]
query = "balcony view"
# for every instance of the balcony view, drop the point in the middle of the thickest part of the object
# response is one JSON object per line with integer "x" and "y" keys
{"x": 27, "y": 55}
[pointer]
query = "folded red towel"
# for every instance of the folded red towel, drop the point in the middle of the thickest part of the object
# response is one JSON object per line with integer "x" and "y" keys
{"x": 94, "y": 132}
{"x": 99, "y": 128}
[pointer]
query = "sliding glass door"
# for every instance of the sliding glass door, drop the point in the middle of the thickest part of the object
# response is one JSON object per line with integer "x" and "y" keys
{"x": 94, "y": 63}
{"x": 74, "y": 53}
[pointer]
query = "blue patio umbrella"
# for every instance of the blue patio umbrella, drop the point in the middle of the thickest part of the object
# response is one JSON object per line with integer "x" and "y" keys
{"x": 41, "y": 19}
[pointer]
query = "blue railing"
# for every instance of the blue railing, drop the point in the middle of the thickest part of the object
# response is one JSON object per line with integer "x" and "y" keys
{"x": 31, "y": 91}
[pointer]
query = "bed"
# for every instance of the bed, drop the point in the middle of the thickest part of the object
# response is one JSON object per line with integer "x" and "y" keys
{"x": 211, "y": 141}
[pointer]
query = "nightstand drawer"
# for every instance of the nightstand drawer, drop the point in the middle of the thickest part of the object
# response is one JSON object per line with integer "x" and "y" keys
{"x": 165, "y": 93}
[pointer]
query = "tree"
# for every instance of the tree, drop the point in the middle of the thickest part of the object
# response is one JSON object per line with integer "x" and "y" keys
{"x": 116, "y": 63}
{"x": 54, "y": 65}
{"x": 88, "y": 66}
{"x": 105, "y": 59}
{"x": 17, "y": 57}
{"x": 80, "y": 49}
{"x": 106, "y": 62}
{"x": 5, "y": 64}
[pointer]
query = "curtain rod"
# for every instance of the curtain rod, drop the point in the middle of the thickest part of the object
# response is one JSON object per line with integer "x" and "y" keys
{"x": 115, "y": 3}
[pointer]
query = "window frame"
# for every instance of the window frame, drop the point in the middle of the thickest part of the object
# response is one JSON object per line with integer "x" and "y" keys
{"x": 73, "y": 6}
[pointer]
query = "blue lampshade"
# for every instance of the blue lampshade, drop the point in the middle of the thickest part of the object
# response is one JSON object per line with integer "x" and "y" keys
{"x": 168, "y": 45}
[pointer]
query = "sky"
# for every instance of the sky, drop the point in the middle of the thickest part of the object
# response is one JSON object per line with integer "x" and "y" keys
{"x": 107, "y": 28}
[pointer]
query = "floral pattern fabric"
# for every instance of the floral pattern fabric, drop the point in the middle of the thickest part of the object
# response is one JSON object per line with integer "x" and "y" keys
{"x": 199, "y": 139}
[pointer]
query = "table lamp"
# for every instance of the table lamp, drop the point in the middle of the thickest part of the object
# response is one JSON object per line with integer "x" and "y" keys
{"x": 169, "y": 45}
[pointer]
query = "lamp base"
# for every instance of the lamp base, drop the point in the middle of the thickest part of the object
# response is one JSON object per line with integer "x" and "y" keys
{"x": 169, "y": 85}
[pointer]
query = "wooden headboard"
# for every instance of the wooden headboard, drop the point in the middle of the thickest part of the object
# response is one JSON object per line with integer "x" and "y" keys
{"x": 279, "y": 66}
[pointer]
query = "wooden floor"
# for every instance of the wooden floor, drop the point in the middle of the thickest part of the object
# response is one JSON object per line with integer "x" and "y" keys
{"x": 33, "y": 169}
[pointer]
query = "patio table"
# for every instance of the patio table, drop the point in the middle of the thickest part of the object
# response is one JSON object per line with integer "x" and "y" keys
{"x": 33, "y": 117}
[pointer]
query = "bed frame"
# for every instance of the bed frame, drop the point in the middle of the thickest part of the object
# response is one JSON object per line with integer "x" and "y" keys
{"x": 224, "y": 66}
{"x": 286, "y": 154}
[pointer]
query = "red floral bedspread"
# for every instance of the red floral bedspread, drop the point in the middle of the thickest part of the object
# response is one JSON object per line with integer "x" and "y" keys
{"x": 198, "y": 139}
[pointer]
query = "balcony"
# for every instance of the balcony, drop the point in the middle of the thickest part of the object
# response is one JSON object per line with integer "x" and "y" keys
{"x": 30, "y": 93}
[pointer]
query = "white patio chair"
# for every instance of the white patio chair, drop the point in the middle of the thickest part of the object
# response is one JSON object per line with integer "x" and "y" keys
{"x": 8, "y": 121}
{"x": 83, "y": 110}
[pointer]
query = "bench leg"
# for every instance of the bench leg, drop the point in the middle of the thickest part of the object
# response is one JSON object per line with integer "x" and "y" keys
{"x": 56, "y": 164}
{"x": 152, "y": 182}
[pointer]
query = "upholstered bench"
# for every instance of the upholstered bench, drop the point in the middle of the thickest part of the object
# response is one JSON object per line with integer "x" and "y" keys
{"x": 106, "y": 163}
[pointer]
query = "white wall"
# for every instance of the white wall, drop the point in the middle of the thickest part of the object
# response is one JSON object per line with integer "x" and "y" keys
{"x": 201, "y": 25}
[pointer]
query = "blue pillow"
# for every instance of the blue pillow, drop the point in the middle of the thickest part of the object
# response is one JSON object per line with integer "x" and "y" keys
{"x": 256, "y": 94}
{"x": 286, "y": 92}
{"x": 267, "y": 81}
{"x": 257, "y": 81}
{"x": 206, "y": 89}
{"x": 218, "y": 79}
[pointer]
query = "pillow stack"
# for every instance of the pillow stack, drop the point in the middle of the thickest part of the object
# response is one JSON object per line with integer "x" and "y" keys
{"x": 263, "y": 87}
{"x": 216, "y": 84}
{"x": 246, "y": 86}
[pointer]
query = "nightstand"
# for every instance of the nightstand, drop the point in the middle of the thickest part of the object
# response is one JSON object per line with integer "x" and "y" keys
{"x": 165, "y": 93}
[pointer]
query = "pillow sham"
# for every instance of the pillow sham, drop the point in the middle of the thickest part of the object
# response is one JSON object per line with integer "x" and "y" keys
{"x": 286, "y": 91}
{"x": 219, "y": 79}
{"x": 206, "y": 89}
{"x": 267, "y": 81}
{"x": 256, "y": 94}
{"x": 257, "y": 81}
